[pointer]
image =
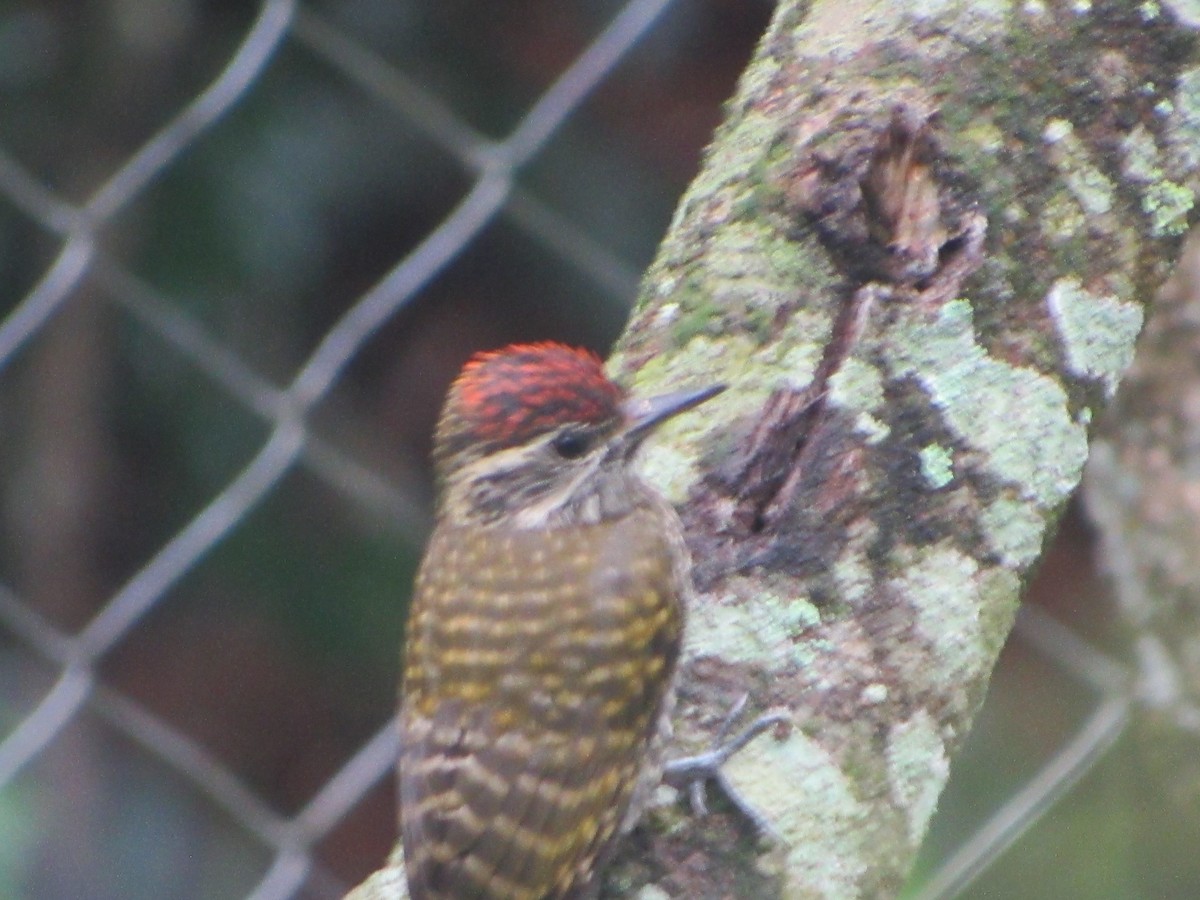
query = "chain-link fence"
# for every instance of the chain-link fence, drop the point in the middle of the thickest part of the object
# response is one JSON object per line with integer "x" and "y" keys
{"x": 245, "y": 248}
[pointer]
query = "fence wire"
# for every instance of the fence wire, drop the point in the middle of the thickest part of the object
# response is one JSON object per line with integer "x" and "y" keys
{"x": 492, "y": 166}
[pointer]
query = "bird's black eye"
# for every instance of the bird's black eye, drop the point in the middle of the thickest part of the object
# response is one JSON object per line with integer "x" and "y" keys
{"x": 571, "y": 444}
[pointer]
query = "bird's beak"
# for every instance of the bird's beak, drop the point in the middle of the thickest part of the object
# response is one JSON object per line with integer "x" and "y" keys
{"x": 643, "y": 415}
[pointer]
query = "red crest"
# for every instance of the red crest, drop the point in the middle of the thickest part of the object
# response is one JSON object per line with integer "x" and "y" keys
{"x": 506, "y": 397}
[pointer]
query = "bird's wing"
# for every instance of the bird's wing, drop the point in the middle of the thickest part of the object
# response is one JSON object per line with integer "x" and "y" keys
{"x": 503, "y": 815}
{"x": 522, "y": 745}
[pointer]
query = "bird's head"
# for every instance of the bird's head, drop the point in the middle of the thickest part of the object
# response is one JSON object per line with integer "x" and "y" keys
{"x": 538, "y": 432}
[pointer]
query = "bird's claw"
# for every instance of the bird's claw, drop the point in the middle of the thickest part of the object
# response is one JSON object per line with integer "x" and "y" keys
{"x": 694, "y": 772}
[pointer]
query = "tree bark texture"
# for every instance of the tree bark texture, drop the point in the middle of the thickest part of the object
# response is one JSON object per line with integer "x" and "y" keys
{"x": 918, "y": 252}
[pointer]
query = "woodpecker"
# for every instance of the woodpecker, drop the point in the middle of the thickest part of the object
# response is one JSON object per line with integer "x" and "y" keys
{"x": 544, "y": 631}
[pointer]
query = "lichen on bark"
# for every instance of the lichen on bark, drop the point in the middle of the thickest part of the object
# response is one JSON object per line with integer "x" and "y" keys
{"x": 903, "y": 432}
{"x": 918, "y": 251}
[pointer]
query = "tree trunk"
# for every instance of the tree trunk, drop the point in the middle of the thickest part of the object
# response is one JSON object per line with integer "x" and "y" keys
{"x": 1142, "y": 491}
{"x": 919, "y": 252}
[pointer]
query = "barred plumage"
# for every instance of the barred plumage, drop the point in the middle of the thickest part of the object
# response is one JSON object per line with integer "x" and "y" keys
{"x": 535, "y": 676}
{"x": 543, "y": 636}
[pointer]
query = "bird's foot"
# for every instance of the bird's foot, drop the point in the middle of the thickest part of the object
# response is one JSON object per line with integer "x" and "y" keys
{"x": 695, "y": 772}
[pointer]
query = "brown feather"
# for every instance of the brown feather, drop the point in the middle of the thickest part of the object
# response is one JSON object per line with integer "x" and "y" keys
{"x": 538, "y": 665}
